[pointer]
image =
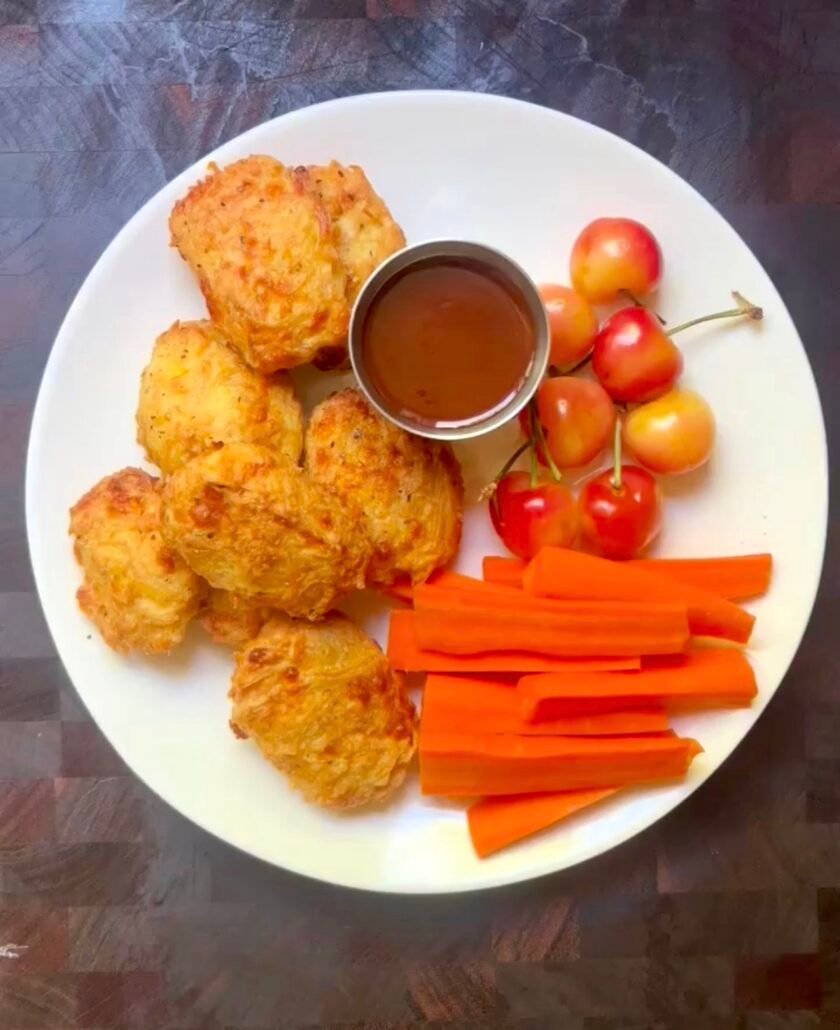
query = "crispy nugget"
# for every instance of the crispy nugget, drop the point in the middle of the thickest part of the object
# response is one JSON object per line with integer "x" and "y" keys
{"x": 231, "y": 619}
{"x": 137, "y": 590}
{"x": 409, "y": 489}
{"x": 252, "y": 522}
{"x": 323, "y": 705}
{"x": 365, "y": 233}
{"x": 197, "y": 392}
{"x": 263, "y": 250}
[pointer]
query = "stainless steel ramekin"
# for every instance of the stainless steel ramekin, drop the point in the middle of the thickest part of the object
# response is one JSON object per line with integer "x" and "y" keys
{"x": 517, "y": 278}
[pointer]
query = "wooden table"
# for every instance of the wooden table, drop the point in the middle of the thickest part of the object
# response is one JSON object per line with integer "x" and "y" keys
{"x": 116, "y": 912}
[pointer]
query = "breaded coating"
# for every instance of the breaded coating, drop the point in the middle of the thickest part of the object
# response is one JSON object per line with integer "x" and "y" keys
{"x": 263, "y": 250}
{"x": 409, "y": 489}
{"x": 197, "y": 392}
{"x": 231, "y": 619}
{"x": 252, "y": 522}
{"x": 137, "y": 590}
{"x": 323, "y": 705}
{"x": 365, "y": 232}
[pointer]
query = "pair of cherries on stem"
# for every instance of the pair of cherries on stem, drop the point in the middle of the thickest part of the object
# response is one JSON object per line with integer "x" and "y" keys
{"x": 617, "y": 513}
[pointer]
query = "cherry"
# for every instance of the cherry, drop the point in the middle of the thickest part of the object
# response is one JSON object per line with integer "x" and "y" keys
{"x": 572, "y": 324}
{"x": 620, "y": 509}
{"x": 529, "y": 514}
{"x": 633, "y": 358}
{"x": 578, "y": 417}
{"x": 615, "y": 254}
{"x": 672, "y": 434}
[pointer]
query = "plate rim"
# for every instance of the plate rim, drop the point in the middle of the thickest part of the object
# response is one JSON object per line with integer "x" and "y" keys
{"x": 47, "y": 385}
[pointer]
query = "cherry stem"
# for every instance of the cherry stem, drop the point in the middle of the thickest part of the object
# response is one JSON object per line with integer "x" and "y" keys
{"x": 538, "y": 438}
{"x": 616, "y": 476}
{"x": 532, "y": 465}
{"x": 489, "y": 492}
{"x": 635, "y": 300}
{"x": 508, "y": 465}
{"x": 744, "y": 310}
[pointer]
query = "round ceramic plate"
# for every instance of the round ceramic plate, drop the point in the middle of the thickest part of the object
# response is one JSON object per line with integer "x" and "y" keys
{"x": 523, "y": 179}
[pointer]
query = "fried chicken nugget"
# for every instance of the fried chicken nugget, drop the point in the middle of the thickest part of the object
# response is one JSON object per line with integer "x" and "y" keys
{"x": 409, "y": 489}
{"x": 262, "y": 248}
{"x": 323, "y": 705}
{"x": 252, "y": 522}
{"x": 364, "y": 231}
{"x": 197, "y": 392}
{"x": 231, "y": 619}
{"x": 137, "y": 590}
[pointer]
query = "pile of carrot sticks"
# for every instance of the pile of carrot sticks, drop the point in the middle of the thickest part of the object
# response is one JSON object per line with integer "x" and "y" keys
{"x": 550, "y": 684}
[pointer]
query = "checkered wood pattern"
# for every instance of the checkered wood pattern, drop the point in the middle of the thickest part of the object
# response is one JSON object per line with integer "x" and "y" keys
{"x": 114, "y": 911}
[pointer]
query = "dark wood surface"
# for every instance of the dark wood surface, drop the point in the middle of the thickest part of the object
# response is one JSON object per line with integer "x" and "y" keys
{"x": 116, "y": 912}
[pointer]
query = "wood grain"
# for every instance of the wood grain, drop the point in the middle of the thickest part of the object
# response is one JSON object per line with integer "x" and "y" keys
{"x": 115, "y": 912}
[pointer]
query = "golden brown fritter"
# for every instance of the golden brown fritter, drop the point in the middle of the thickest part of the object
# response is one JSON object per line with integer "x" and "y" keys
{"x": 252, "y": 522}
{"x": 137, "y": 590}
{"x": 323, "y": 705}
{"x": 263, "y": 250}
{"x": 409, "y": 489}
{"x": 365, "y": 233}
{"x": 231, "y": 619}
{"x": 197, "y": 392}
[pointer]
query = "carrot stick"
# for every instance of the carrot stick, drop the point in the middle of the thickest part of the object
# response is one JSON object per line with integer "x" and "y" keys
{"x": 574, "y": 628}
{"x": 737, "y": 578}
{"x": 569, "y": 575}
{"x": 497, "y": 822}
{"x": 720, "y": 678}
{"x": 481, "y": 595}
{"x": 406, "y": 655}
{"x": 503, "y": 571}
{"x": 473, "y": 764}
{"x": 449, "y": 580}
{"x": 488, "y": 706}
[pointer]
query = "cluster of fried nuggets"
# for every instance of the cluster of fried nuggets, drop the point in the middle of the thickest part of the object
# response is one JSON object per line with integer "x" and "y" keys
{"x": 262, "y": 522}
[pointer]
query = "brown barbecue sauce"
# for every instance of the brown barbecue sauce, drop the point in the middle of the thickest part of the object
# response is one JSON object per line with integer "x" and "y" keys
{"x": 447, "y": 342}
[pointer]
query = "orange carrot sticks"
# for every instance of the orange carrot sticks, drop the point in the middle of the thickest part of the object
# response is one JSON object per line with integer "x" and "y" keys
{"x": 470, "y": 704}
{"x": 471, "y": 764}
{"x": 567, "y": 575}
{"x": 497, "y": 822}
{"x": 572, "y": 628}
{"x": 710, "y": 678}
{"x": 406, "y": 655}
{"x": 736, "y": 578}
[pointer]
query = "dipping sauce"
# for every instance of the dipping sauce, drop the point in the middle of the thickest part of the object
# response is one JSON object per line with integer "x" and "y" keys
{"x": 447, "y": 341}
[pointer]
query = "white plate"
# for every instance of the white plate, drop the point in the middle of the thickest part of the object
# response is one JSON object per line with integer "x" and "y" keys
{"x": 524, "y": 179}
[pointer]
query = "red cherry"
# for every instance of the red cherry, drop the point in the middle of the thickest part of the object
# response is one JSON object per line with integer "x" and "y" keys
{"x": 620, "y": 521}
{"x": 633, "y": 358}
{"x": 529, "y": 517}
